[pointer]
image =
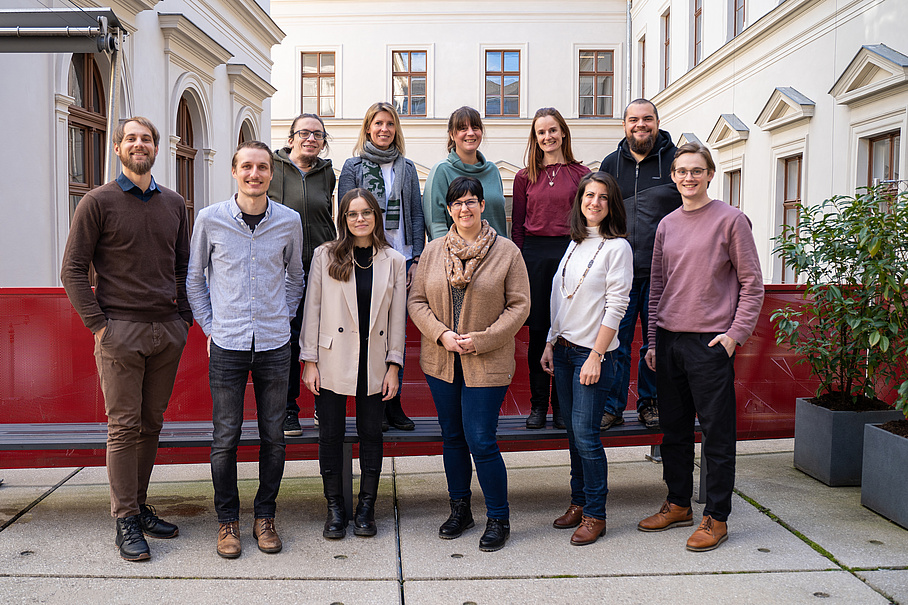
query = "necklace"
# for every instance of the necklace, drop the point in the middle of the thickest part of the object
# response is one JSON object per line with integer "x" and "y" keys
{"x": 553, "y": 175}
{"x": 371, "y": 260}
{"x": 582, "y": 277}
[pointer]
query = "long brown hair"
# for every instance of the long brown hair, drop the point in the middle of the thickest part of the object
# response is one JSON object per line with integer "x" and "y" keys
{"x": 534, "y": 154}
{"x": 461, "y": 118}
{"x": 341, "y": 250}
{"x": 615, "y": 223}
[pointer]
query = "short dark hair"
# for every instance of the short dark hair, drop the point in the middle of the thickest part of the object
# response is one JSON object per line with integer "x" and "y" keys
{"x": 120, "y": 130}
{"x": 253, "y": 145}
{"x": 615, "y": 223}
{"x": 641, "y": 101}
{"x": 461, "y": 186}
{"x": 461, "y": 118}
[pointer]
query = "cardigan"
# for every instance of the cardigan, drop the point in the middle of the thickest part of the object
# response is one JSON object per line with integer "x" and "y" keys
{"x": 496, "y": 303}
{"x": 438, "y": 219}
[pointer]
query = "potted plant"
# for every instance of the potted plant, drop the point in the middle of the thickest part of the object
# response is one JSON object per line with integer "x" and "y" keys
{"x": 852, "y": 255}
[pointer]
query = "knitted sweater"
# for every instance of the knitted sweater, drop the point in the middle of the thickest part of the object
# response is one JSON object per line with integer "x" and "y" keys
{"x": 437, "y": 218}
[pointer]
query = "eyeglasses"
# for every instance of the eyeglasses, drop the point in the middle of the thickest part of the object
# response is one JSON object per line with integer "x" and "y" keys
{"x": 366, "y": 214}
{"x": 694, "y": 172}
{"x": 305, "y": 134}
{"x": 469, "y": 204}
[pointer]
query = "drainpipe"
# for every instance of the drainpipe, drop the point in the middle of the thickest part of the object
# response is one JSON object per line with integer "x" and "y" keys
{"x": 628, "y": 98}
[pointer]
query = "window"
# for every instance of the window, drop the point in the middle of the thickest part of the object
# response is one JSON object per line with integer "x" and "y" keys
{"x": 186, "y": 159}
{"x": 883, "y": 161}
{"x": 502, "y": 82}
{"x": 318, "y": 84}
{"x": 698, "y": 31}
{"x": 733, "y": 179}
{"x": 597, "y": 76}
{"x": 87, "y": 128}
{"x": 791, "y": 194}
{"x": 643, "y": 67}
{"x": 408, "y": 82}
{"x": 666, "y": 48}
{"x": 738, "y": 24}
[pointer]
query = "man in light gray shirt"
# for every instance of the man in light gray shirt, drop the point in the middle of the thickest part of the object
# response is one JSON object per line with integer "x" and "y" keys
{"x": 250, "y": 249}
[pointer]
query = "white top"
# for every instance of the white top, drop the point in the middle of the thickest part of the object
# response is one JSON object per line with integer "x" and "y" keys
{"x": 395, "y": 236}
{"x": 602, "y": 298}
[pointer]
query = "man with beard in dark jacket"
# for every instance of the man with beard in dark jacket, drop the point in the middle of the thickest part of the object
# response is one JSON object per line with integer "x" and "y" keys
{"x": 642, "y": 167}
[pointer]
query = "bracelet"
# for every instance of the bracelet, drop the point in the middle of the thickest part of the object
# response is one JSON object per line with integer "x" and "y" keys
{"x": 601, "y": 355}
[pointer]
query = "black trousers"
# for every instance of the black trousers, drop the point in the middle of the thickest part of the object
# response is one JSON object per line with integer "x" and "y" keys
{"x": 332, "y": 423}
{"x": 696, "y": 380}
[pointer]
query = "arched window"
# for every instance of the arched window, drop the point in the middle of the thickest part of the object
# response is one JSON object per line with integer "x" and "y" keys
{"x": 245, "y": 133}
{"x": 87, "y": 128}
{"x": 186, "y": 158}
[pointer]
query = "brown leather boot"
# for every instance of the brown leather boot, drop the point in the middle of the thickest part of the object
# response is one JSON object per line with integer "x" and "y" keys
{"x": 229, "y": 545}
{"x": 669, "y": 516}
{"x": 267, "y": 537}
{"x": 569, "y": 519}
{"x": 708, "y": 536}
{"x": 589, "y": 531}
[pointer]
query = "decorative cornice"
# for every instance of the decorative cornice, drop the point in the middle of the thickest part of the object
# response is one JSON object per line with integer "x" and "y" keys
{"x": 785, "y": 106}
{"x": 874, "y": 69}
{"x": 190, "y": 47}
{"x": 247, "y": 86}
{"x": 729, "y": 129}
{"x": 688, "y": 137}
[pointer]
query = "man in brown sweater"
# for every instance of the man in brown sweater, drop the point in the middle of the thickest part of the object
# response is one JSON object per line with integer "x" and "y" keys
{"x": 136, "y": 233}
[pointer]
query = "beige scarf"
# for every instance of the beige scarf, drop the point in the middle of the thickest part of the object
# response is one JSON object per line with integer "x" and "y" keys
{"x": 460, "y": 273}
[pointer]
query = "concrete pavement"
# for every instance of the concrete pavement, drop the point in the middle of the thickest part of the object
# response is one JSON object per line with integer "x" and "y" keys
{"x": 791, "y": 540}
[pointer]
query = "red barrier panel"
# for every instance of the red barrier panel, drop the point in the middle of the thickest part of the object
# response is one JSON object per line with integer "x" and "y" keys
{"x": 47, "y": 374}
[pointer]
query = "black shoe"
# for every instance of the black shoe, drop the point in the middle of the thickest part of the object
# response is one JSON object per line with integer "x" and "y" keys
{"x": 536, "y": 419}
{"x": 495, "y": 535}
{"x": 648, "y": 413}
{"x": 460, "y": 520}
{"x": 364, "y": 517}
{"x": 395, "y": 416}
{"x": 154, "y": 526}
{"x": 384, "y": 425}
{"x": 557, "y": 418}
{"x": 130, "y": 539}
{"x": 336, "y": 521}
{"x": 292, "y": 426}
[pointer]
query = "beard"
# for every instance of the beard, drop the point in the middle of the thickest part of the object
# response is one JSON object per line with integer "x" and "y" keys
{"x": 137, "y": 166}
{"x": 645, "y": 146}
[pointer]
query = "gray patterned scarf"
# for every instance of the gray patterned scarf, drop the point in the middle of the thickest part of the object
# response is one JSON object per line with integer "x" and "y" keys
{"x": 371, "y": 179}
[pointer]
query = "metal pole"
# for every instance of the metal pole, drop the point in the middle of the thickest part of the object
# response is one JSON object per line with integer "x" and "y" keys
{"x": 113, "y": 108}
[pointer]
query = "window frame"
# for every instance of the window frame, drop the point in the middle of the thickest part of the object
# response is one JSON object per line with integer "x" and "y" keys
{"x": 92, "y": 123}
{"x": 185, "y": 158}
{"x": 733, "y": 180}
{"x": 596, "y": 74}
{"x": 787, "y": 275}
{"x": 738, "y": 9}
{"x": 521, "y": 54}
{"x": 697, "y": 34}
{"x": 642, "y": 46}
{"x": 409, "y": 74}
{"x": 666, "y": 20}
{"x": 318, "y": 76}
{"x": 894, "y": 139}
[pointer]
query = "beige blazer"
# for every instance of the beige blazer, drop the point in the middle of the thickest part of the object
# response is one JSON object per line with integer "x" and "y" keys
{"x": 495, "y": 305}
{"x": 330, "y": 335}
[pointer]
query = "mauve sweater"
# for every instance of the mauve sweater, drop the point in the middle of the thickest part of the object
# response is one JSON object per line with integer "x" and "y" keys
{"x": 706, "y": 273}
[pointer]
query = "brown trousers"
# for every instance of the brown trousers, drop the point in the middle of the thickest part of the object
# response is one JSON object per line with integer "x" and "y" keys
{"x": 137, "y": 363}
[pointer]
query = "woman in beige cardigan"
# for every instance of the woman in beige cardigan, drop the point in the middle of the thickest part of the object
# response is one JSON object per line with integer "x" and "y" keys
{"x": 470, "y": 296}
{"x": 353, "y": 344}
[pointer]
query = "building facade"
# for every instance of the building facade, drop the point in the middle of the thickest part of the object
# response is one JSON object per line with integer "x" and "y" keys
{"x": 200, "y": 71}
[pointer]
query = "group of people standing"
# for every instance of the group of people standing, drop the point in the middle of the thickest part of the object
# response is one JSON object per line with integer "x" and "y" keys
{"x": 590, "y": 252}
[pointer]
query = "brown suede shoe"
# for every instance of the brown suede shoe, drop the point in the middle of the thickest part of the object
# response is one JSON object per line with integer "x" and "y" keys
{"x": 669, "y": 516}
{"x": 229, "y": 545}
{"x": 569, "y": 519}
{"x": 267, "y": 537}
{"x": 589, "y": 531}
{"x": 708, "y": 536}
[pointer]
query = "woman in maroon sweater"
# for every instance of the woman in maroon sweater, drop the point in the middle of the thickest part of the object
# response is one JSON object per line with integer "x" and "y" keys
{"x": 540, "y": 226}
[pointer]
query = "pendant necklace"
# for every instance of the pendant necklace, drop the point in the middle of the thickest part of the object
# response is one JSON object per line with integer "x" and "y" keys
{"x": 553, "y": 175}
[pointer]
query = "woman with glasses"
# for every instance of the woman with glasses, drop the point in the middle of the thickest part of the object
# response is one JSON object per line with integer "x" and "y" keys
{"x": 305, "y": 182}
{"x": 590, "y": 294}
{"x": 706, "y": 292}
{"x": 464, "y": 159}
{"x": 470, "y": 296}
{"x": 540, "y": 226}
{"x": 353, "y": 345}
{"x": 379, "y": 166}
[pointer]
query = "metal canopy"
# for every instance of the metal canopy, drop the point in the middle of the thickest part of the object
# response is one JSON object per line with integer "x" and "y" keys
{"x": 52, "y": 30}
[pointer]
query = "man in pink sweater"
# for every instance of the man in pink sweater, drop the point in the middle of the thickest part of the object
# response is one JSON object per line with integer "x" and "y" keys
{"x": 706, "y": 291}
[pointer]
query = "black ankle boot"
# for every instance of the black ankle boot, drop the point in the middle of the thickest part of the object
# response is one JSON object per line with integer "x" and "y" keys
{"x": 336, "y": 521}
{"x": 557, "y": 418}
{"x": 461, "y": 519}
{"x": 130, "y": 539}
{"x": 394, "y": 414}
{"x": 495, "y": 535}
{"x": 364, "y": 518}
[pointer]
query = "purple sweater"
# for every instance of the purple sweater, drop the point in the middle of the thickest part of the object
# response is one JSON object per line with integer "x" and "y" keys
{"x": 706, "y": 273}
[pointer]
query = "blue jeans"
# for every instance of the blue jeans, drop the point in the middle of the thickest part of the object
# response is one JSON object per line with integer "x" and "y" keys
{"x": 228, "y": 373}
{"x": 469, "y": 421}
{"x": 582, "y": 407}
{"x": 646, "y": 378}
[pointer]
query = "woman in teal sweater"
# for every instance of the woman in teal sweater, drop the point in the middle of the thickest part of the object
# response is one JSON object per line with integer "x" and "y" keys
{"x": 464, "y": 159}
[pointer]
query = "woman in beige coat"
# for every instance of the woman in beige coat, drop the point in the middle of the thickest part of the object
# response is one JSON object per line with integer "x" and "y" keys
{"x": 353, "y": 345}
{"x": 469, "y": 298}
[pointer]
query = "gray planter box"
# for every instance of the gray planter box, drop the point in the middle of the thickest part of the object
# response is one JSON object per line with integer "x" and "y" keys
{"x": 828, "y": 445}
{"x": 885, "y": 486}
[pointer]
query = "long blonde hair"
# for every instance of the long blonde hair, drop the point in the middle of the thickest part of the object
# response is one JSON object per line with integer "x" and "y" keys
{"x": 373, "y": 111}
